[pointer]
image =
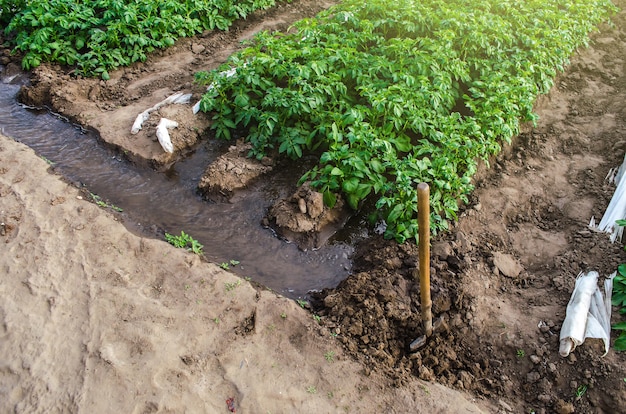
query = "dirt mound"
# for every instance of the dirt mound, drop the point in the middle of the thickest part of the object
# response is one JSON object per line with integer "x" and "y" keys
{"x": 232, "y": 171}
{"x": 305, "y": 220}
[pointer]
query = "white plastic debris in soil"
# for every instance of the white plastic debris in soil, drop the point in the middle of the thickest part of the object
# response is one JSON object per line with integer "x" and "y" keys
{"x": 177, "y": 98}
{"x": 227, "y": 73}
{"x": 616, "y": 209}
{"x": 163, "y": 134}
{"x": 588, "y": 313}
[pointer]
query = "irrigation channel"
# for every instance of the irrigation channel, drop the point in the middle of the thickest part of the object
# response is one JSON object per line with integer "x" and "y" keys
{"x": 154, "y": 203}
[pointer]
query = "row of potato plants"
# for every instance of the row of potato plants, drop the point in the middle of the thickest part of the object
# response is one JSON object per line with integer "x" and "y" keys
{"x": 99, "y": 35}
{"x": 390, "y": 94}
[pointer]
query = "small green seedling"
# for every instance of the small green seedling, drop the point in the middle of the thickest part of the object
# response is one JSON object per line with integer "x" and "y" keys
{"x": 580, "y": 391}
{"x": 521, "y": 353}
{"x": 283, "y": 315}
{"x": 311, "y": 390}
{"x": 231, "y": 285}
{"x": 329, "y": 356}
{"x": 184, "y": 241}
{"x": 227, "y": 265}
{"x": 47, "y": 160}
{"x": 303, "y": 303}
{"x": 101, "y": 203}
{"x": 317, "y": 318}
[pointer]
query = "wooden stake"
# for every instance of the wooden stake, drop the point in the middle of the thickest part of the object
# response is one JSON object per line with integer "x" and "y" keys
{"x": 423, "y": 218}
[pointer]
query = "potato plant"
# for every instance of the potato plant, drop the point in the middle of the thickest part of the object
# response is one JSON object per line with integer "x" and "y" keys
{"x": 390, "y": 94}
{"x": 99, "y": 35}
{"x": 619, "y": 300}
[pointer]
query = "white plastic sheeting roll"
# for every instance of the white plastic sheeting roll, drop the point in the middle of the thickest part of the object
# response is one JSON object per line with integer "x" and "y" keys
{"x": 588, "y": 313}
{"x": 163, "y": 134}
{"x": 616, "y": 209}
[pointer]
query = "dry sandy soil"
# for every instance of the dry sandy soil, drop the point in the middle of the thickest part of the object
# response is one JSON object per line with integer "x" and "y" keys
{"x": 96, "y": 319}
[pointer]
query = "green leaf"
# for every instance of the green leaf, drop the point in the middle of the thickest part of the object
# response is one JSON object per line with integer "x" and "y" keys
{"x": 229, "y": 123}
{"x": 242, "y": 100}
{"x": 377, "y": 166}
{"x": 620, "y": 326}
{"x": 330, "y": 199}
{"x": 619, "y": 299}
{"x": 350, "y": 185}
{"x": 395, "y": 213}
{"x": 620, "y": 343}
{"x": 363, "y": 190}
{"x": 353, "y": 201}
{"x": 403, "y": 143}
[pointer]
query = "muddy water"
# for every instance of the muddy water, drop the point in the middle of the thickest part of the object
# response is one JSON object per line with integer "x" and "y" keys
{"x": 154, "y": 203}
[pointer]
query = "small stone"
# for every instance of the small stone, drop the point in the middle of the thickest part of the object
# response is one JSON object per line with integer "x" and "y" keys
{"x": 535, "y": 359}
{"x": 425, "y": 373}
{"x": 465, "y": 378}
{"x": 544, "y": 398}
{"x": 302, "y": 205}
{"x": 197, "y": 48}
{"x": 532, "y": 377}
{"x": 507, "y": 264}
{"x": 442, "y": 250}
{"x": 464, "y": 246}
{"x": 562, "y": 407}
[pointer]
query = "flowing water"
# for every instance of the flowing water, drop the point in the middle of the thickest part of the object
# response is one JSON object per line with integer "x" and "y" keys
{"x": 154, "y": 202}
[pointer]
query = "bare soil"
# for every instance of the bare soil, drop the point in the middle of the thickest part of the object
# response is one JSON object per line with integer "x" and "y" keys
{"x": 502, "y": 276}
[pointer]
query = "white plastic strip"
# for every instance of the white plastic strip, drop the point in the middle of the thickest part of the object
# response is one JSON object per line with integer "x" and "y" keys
{"x": 588, "y": 313}
{"x": 616, "y": 209}
{"x": 227, "y": 74}
{"x": 163, "y": 134}
{"x": 177, "y": 98}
